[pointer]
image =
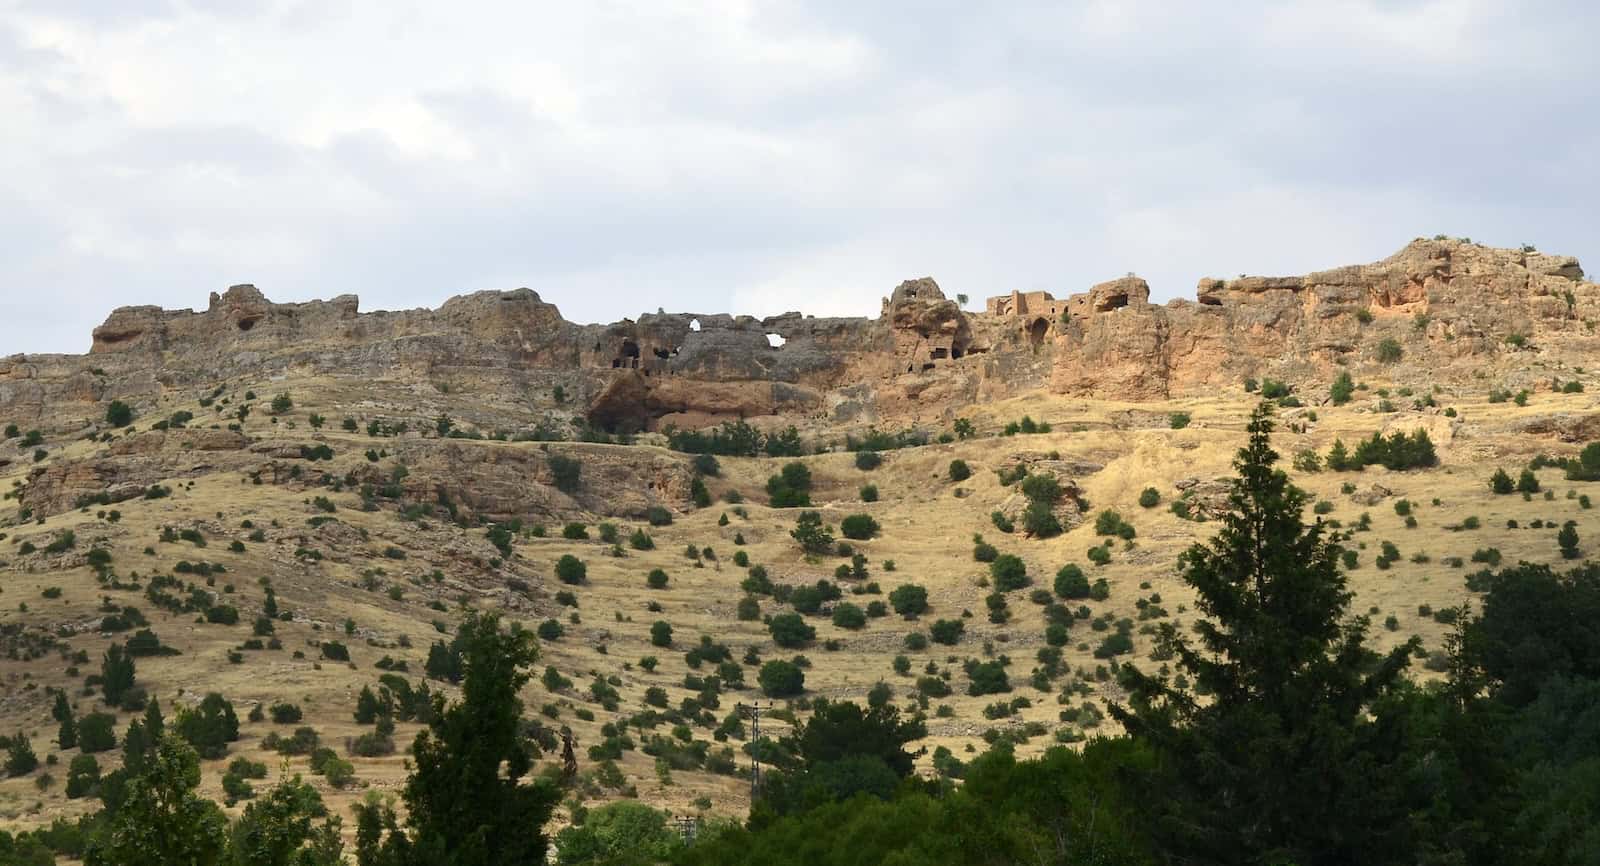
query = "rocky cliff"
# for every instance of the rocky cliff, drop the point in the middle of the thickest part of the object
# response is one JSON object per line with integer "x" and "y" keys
{"x": 1451, "y": 306}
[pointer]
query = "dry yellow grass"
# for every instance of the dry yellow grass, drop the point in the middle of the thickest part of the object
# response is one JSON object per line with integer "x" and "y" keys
{"x": 927, "y": 531}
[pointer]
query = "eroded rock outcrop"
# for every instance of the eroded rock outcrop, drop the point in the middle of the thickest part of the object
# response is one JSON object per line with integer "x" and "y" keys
{"x": 1449, "y": 305}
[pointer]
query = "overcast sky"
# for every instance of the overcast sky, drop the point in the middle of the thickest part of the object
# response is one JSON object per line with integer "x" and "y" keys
{"x": 756, "y": 157}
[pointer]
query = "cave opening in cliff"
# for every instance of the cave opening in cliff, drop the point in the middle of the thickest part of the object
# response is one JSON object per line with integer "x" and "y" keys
{"x": 663, "y": 354}
{"x": 1210, "y": 301}
{"x": 955, "y": 352}
{"x": 247, "y": 324}
{"x": 1037, "y": 330}
{"x": 1114, "y": 302}
{"x": 939, "y": 353}
{"x": 630, "y": 349}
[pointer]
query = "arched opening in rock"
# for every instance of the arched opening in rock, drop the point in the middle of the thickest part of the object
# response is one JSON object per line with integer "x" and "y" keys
{"x": 955, "y": 352}
{"x": 1112, "y": 303}
{"x": 694, "y": 325}
{"x": 247, "y": 324}
{"x": 1037, "y": 330}
{"x": 663, "y": 354}
{"x": 776, "y": 341}
{"x": 630, "y": 349}
{"x": 1210, "y": 301}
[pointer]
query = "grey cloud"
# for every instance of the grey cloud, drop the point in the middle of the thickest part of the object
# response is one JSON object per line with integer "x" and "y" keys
{"x": 810, "y": 154}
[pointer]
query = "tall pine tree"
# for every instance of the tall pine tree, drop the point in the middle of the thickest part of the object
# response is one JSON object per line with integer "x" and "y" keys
{"x": 1271, "y": 755}
{"x": 469, "y": 801}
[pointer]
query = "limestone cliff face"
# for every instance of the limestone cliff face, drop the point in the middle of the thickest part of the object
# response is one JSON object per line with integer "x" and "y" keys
{"x": 1450, "y": 304}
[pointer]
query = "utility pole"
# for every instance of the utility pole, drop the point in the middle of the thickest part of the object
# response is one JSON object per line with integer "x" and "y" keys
{"x": 688, "y": 826}
{"x": 753, "y": 711}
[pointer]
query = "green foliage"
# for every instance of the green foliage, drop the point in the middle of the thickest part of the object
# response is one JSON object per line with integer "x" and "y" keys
{"x": 469, "y": 800}
{"x": 1567, "y": 540}
{"x": 1008, "y": 573}
{"x": 566, "y": 473}
{"x": 1178, "y": 420}
{"x": 959, "y": 470}
{"x": 909, "y": 600}
{"x": 1290, "y": 684}
{"x": 736, "y": 439}
{"x": 119, "y": 414}
{"x": 1587, "y": 466}
{"x": 571, "y": 570}
{"x": 790, "y": 630}
{"x": 661, "y": 633}
{"x": 20, "y": 757}
{"x": 1149, "y": 497}
{"x": 116, "y": 674}
{"x": 160, "y": 818}
{"x": 1397, "y": 452}
{"x": 781, "y": 679}
{"x": 625, "y": 831}
{"x": 97, "y": 733}
{"x": 1500, "y": 482}
{"x": 1072, "y": 805}
{"x": 1388, "y": 351}
{"x": 814, "y": 536}
{"x": 848, "y": 616}
{"x": 278, "y": 830}
{"x": 210, "y": 727}
{"x": 947, "y": 631}
{"x": 83, "y": 776}
{"x": 790, "y": 488}
{"x": 858, "y": 527}
{"x": 1071, "y": 582}
{"x": 987, "y": 678}
{"x": 1342, "y": 389}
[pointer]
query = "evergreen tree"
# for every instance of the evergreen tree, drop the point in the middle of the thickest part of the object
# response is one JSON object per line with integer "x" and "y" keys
{"x": 1280, "y": 763}
{"x": 366, "y": 706}
{"x": 468, "y": 800}
{"x": 67, "y": 734}
{"x": 1501, "y": 483}
{"x": 1338, "y": 457}
{"x": 162, "y": 819}
{"x": 1567, "y": 539}
{"x": 20, "y": 758}
{"x": 116, "y": 673}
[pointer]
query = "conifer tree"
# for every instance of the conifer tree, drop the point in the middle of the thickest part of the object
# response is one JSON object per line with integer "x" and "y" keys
{"x": 469, "y": 801}
{"x": 1279, "y": 762}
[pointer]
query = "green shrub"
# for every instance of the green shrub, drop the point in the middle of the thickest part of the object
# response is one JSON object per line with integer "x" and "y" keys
{"x": 848, "y": 616}
{"x": 1008, "y": 573}
{"x": 571, "y": 570}
{"x": 781, "y": 679}
{"x": 119, "y": 414}
{"x": 1149, "y": 497}
{"x": 959, "y": 471}
{"x": 858, "y": 527}
{"x": 1389, "y": 350}
{"x": 947, "y": 631}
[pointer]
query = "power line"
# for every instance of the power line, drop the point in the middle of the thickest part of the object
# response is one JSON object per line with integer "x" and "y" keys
{"x": 753, "y": 712}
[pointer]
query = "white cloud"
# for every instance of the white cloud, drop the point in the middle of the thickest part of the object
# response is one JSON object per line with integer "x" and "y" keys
{"x": 762, "y": 155}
